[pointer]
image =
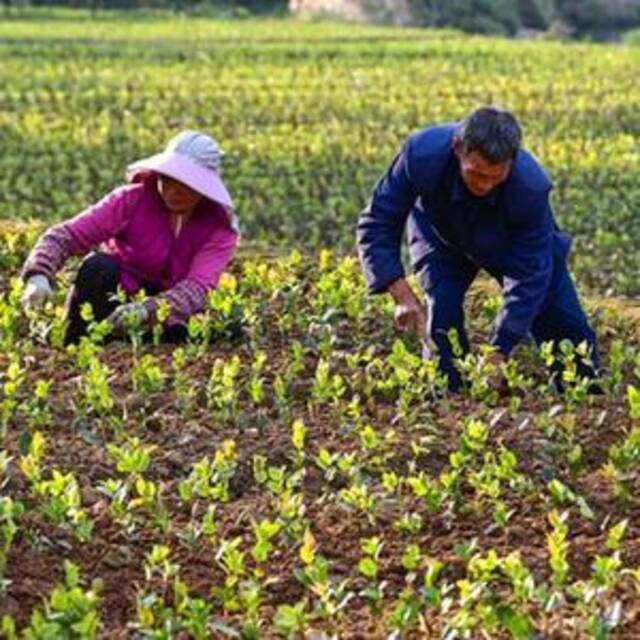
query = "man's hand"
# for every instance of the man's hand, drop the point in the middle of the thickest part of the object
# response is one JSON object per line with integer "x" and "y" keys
{"x": 411, "y": 318}
{"x": 133, "y": 312}
{"x": 37, "y": 292}
{"x": 409, "y": 314}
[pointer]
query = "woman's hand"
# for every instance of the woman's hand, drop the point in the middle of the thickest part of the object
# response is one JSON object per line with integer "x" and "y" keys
{"x": 36, "y": 292}
{"x": 133, "y": 313}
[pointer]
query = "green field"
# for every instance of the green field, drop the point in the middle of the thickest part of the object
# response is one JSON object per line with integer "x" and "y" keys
{"x": 310, "y": 114}
{"x": 312, "y": 479}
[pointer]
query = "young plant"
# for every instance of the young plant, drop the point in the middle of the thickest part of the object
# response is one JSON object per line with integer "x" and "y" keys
{"x": 298, "y": 435}
{"x": 428, "y": 489}
{"x": 593, "y": 596}
{"x": 196, "y": 529}
{"x": 199, "y": 334}
{"x": 326, "y": 461}
{"x": 70, "y": 611}
{"x": 490, "y": 479}
{"x": 625, "y": 456}
{"x": 264, "y": 532}
{"x": 327, "y": 389}
{"x": 291, "y": 508}
{"x": 373, "y": 591}
{"x": 14, "y": 377}
{"x": 165, "y": 608}
{"x": 232, "y": 562}
{"x": 64, "y": 505}
{"x": 59, "y": 495}
{"x": 255, "y": 385}
{"x": 133, "y": 492}
{"x": 37, "y": 406}
{"x": 619, "y": 355}
{"x": 210, "y": 478}
{"x": 562, "y": 495}
{"x": 292, "y": 620}
{"x": 96, "y": 394}
{"x": 358, "y": 496}
{"x": 409, "y": 524}
{"x": 134, "y": 328}
{"x": 10, "y": 512}
{"x": 281, "y": 397}
{"x": 576, "y": 388}
{"x": 222, "y": 391}
{"x": 330, "y": 596}
{"x": 11, "y": 317}
{"x": 558, "y": 547}
{"x": 479, "y": 373}
{"x": 406, "y": 613}
{"x": 183, "y": 386}
{"x": 163, "y": 311}
{"x": 487, "y": 605}
{"x": 225, "y": 305}
{"x": 147, "y": 376}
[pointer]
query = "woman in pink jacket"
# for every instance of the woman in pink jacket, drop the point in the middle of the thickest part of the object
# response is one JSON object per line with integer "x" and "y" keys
{"x": 171, "y": 230}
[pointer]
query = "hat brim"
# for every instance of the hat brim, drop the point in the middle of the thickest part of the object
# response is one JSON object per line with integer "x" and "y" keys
{"x": 205, "y": 181}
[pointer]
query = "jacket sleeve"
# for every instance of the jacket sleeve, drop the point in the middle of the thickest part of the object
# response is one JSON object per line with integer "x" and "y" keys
{"x": 527, "y": 273}
{"x": 382, "y": 222}
{"x": 190, "y": 294}
{"x": 78, "y": 236}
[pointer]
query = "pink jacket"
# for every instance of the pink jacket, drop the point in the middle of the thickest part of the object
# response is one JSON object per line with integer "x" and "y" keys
{"x": 132, "y": 223}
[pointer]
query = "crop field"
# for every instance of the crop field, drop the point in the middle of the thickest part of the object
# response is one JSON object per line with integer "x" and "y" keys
{"x": 310, "y": 478}
{"x": 312, "y": 475}
{"x": 309, "y": 116}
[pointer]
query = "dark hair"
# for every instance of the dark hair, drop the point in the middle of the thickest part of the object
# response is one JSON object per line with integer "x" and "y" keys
{"x": 491, "y": 131}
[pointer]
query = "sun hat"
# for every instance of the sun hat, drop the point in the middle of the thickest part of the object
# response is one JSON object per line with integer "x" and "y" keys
{"x": 192, "y": 158}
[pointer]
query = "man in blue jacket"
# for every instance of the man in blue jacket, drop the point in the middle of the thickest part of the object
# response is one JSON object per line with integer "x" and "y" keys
{"x": 470, "y": 197}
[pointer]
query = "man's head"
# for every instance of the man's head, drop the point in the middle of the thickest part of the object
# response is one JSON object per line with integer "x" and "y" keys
{"x": 486, "y": 144}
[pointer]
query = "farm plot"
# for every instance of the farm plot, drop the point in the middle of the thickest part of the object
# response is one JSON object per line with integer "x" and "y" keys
{"x": 311, "y": 475}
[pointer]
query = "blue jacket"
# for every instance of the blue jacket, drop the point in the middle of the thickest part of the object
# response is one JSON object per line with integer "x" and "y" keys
{"x": 511, "y": 233}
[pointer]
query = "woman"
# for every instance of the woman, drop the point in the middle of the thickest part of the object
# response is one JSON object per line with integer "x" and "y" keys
{"x": 171, "y": 230}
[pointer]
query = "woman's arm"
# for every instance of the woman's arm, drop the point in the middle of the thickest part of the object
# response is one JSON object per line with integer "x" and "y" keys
{"x": 78, "y": 236}
{"x": 190, "y": 295}
{"x": 49, "y": 254}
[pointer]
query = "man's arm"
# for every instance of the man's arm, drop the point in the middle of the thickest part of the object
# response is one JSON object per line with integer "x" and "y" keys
{"x": 527, "y": 273}
{"x": 380, "y": 231}
{"x": 381, "y": 224}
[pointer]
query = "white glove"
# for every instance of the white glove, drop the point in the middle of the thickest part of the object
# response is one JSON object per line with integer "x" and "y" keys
{"x": 36, "y": 292}
{"x": 118, "y": 318}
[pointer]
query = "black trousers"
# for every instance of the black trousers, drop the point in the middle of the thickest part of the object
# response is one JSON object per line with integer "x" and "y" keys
{"x": 96, "y": 283}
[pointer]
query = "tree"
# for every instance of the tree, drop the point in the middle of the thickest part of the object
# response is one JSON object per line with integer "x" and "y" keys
{"x": 536, "y": 14}
{"x": 478, "y": 16}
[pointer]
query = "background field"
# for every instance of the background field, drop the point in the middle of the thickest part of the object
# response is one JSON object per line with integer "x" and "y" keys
{"x": 309, "y": 116}
{"x": 312, "y": 478}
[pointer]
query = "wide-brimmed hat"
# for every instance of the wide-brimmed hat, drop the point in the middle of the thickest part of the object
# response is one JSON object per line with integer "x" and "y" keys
{"x": 192, "y": 158}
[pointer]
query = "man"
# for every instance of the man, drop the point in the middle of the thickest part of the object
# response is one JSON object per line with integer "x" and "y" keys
{"x": 470, "y": 198}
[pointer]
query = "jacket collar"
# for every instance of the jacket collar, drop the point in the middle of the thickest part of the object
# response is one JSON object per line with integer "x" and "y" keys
{"x": 460, "y": 193}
